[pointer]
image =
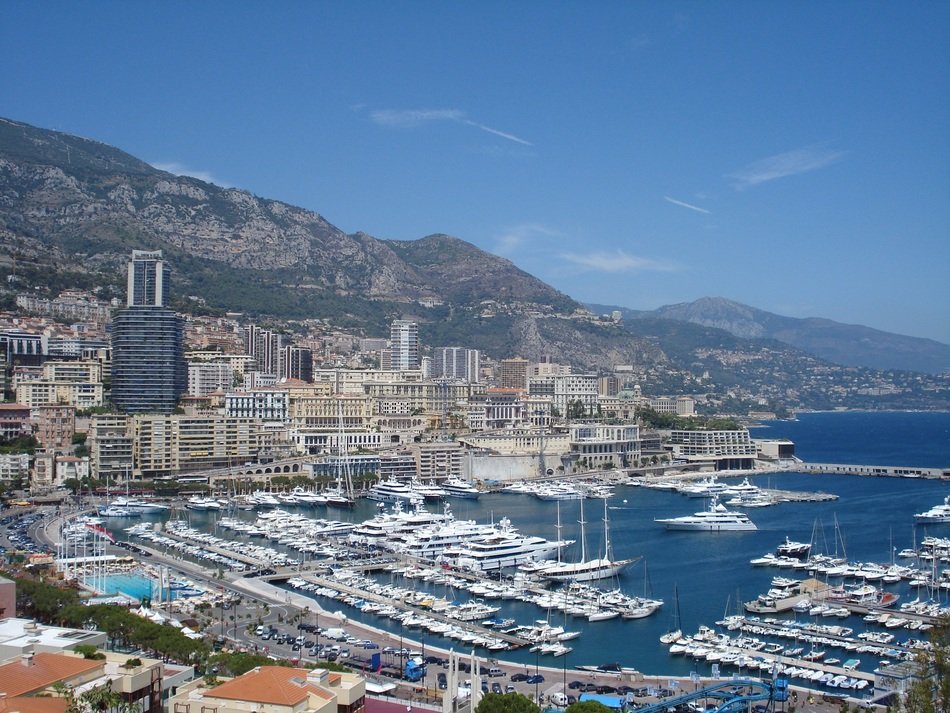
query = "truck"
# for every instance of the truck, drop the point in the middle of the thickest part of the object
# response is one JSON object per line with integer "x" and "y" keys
{"x": 414, "y": 670}
{"x": 335, "y": 634}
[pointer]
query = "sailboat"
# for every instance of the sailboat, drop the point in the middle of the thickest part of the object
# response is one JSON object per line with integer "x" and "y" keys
{"x": 337, "y": 496}
{"x": 675, "y": 633}
{"x": 587, "y": 570}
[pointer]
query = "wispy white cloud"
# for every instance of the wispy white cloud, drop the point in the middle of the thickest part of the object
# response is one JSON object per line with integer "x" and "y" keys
{"x": 496, "y": 132}
{"x": 686, "y": 205}
{"x": 181, "y": 170}
{"x": 408, "y": 118}
{"x": 785, "y": 164}
{"x": 511, "y": 239}
{"x": 617, "y": 261}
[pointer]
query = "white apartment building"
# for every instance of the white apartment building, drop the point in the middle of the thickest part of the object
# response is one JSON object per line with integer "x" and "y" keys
{"x": 455, "y": 363}
{"x": 403, "y": 345}
{"x": 70, "y": 393}
{"x": 675, "y": 405}
{"x": 596, "y": 446}
{"x": 208, "y": 377}
{"x": 566, "y": 389}
{"x": 262, "y": 405}
{"x": 72, "y": 383}
{"x": 438, "y": 461}
{"x": 14, "y": 466}
{"x": 110, "y": 447}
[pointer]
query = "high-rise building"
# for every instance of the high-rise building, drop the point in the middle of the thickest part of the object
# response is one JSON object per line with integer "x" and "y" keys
{"x": 265, "y": 346}
{"x": 455, "y": 363}
{"x": 149, "y": 372}
{"x": 148, "y": 279}
{"x": 513, "y": 374}
{"x": 297, "y": 363}
{"x": 404, "y": 345}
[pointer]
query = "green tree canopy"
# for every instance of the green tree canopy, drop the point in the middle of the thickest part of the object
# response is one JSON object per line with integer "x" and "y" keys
{"x": 587, "y": 707}
{"x": 506, "y": 703}
{"x": 930, "y": 693}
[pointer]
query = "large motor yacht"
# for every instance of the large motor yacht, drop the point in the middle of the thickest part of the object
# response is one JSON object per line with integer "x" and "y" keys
{"x": 938, "y": 513}
{"x": 506, "y": 547}
{"x": 389, "y": 491}
{"x": 716, "y": 519}
{"x": 456, "y": 488}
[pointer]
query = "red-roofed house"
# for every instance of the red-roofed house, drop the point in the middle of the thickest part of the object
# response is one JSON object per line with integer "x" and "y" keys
{"x": 275, "y": 689}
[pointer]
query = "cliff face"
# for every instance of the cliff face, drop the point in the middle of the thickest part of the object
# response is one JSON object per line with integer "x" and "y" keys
{"x": 82, "y": 196}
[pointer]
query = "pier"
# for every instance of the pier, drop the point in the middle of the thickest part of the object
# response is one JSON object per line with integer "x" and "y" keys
{"x": 886, "y": 471}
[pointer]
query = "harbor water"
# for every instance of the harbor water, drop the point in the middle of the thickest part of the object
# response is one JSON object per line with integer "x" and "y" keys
{"x": 871, "y": 521}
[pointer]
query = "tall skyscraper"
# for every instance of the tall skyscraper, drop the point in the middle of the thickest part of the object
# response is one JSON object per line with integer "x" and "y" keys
{"x": 266, "y": 347}
{"x": 149, "y": 372}
{"x": 148, "y": 279}
{"x": 404, "y": 345}
{"x": 456, "y": 363}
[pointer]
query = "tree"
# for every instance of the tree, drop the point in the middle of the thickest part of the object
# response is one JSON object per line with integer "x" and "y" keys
{"x": 930, "y": 693}
{"x": 587, "y": 707}
{"x": 576, "y": 409}
{"x": 507, "y": 703}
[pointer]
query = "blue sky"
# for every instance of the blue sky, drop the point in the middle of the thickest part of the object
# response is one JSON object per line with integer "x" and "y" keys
{"x": 792, "y": 156}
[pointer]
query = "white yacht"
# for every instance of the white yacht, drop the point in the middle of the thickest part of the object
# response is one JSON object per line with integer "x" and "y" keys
{"x": 336, "y": 497}
{"x": 716, "y": 519}
{"x": 457, "y": 488}
{"x": 431, "y": 543}
{"x": 506, "y": 547}
{"x": 308, "y": 497}
{"x": 938, "y": 513}
{"x": 389, "y": 491}
{"x": 202, "y": 503}
{"x": 263, "y": 499}
{"x": 705, "y": 488}
{"x": 428, "y": 491}
{"x": 397, "y": 523}
{"x": 137, "y": 506}
{"x": 558, "y": 491}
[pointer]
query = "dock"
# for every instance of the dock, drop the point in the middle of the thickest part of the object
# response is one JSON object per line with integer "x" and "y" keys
{"x": 885, "y": 471}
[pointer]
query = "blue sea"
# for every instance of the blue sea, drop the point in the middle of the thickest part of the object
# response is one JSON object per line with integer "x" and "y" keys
{"x": 871, "y": 520}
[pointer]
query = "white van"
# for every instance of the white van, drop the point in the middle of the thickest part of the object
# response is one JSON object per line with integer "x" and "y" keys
{"x": 495, "y": 671}
{"x": 558, "y": 699}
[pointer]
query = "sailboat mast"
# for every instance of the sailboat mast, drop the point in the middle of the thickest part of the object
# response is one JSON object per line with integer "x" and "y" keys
{"x": 583, "y": 533}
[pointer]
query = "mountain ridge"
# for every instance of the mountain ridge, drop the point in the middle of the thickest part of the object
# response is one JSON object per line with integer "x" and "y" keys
{"x": 72, "y": 209}
{"x": 840, "y": 343}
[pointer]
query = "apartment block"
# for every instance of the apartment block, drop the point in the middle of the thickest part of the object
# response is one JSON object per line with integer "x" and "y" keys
{"x": 729, "y": 450}
{"x": 208, "y": 377}
{"x": 170, "y": 444}
{"x": 55, "y": 425}
{"x": 596, "y": 446}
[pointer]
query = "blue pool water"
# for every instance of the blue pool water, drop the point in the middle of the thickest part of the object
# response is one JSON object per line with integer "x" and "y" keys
{"x": 134, "y": 585}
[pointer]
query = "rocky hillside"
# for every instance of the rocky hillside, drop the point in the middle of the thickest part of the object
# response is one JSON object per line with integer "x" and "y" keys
{"x": 72, "y": 209}
{"x": 848, "y": 344}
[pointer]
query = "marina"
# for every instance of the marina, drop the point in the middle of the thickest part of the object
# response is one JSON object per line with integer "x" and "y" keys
{"x": 840, "y": 541}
